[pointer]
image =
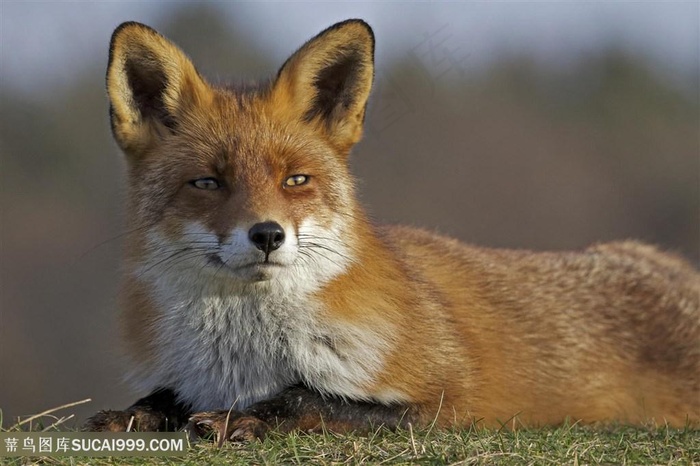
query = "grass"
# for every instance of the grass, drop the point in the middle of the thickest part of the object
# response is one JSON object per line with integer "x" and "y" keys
{"x": 575, "y": 445}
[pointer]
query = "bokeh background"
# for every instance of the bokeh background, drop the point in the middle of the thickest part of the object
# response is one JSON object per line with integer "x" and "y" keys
{"x": 534, "y": 125}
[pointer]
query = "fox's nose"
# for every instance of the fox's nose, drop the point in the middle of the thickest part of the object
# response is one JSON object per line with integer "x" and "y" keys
{"x": 266, "y": 236}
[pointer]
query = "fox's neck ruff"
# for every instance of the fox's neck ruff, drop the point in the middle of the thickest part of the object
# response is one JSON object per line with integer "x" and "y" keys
{"x": 220, "y": 342}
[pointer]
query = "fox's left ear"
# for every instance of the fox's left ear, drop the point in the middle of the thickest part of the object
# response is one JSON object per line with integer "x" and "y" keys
{"x": 328, "y": 80}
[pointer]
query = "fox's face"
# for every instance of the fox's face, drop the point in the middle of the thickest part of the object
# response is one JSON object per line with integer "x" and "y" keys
{"x": 247, "y": 185}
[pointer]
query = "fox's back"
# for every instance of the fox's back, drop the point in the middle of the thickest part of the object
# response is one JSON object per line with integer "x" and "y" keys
{"x": 594, "y": 333}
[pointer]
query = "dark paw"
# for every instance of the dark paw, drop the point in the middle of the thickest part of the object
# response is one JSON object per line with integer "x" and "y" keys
{"x": 135, "y": 420}
{"x": 108, "y": 421}
{"x": 226, "y": 425}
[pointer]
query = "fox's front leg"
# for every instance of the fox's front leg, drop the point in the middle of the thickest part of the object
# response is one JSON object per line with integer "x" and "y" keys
{"x": 159, "y": 411}
{"x": 299, "y": 408}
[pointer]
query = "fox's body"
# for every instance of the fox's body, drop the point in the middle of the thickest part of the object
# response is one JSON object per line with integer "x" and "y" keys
{"x": 254, "y": 280}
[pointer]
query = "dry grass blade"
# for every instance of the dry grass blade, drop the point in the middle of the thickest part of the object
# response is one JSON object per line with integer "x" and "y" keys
{"x": 49, "y": 411}
{"x": 413, "y": 440}
{"x": 58, "y": 423}
{"x": 131, "y": 424}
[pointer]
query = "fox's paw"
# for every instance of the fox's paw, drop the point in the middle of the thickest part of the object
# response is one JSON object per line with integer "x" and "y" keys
{"x": 227, "y": 425}
{"x": 121, "y": 421}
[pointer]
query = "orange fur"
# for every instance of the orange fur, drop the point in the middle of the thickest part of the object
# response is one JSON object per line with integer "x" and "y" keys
{"x": 464, "y": 333}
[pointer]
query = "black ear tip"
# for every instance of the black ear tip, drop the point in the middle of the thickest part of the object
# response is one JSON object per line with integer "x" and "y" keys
{"x": 357, "y": 21}
{"x": 121, "y": 30}
{"x": 359, "y": 28}
{"x": 129, "y": 25}
{"x": 354, "y": 22}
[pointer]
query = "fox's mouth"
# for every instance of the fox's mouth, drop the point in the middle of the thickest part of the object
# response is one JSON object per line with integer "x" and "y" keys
{"x": 258, "y": 269}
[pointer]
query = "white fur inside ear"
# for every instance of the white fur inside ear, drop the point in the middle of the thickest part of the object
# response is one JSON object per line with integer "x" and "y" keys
{"x": 328, "y": 80}
{"x": 150, "y": 83}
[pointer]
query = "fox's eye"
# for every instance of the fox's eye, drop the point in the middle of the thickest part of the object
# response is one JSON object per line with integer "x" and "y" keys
{"x": 209, "y": 184}
{"x": 296, "y": 180}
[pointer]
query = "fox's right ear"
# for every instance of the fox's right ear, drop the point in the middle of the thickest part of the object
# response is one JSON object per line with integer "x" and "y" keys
{"x": 151, "y": 84}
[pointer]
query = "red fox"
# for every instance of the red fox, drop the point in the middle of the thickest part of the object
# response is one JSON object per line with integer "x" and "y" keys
{"x": 258, "y": 295}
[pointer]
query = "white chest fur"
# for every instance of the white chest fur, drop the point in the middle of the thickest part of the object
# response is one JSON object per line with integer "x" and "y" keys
{"x": 220, "y": 346}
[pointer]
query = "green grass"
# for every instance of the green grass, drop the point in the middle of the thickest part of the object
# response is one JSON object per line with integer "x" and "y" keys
{"x": 564, "y": 445}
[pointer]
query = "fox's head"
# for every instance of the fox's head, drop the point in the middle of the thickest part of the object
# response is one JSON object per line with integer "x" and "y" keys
{"x": 247, "y": 185}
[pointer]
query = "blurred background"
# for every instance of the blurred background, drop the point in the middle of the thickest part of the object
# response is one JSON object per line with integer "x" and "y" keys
{"x": 533, "y": 125}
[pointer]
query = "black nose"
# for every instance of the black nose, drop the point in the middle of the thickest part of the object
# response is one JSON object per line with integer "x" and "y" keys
{"x": 267, "y": 236}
